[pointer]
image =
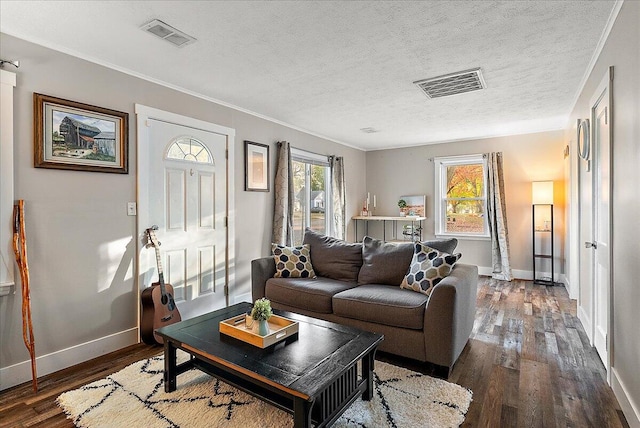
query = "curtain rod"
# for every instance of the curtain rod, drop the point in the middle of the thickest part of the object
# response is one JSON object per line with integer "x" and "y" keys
{"x": 484, "y": 155}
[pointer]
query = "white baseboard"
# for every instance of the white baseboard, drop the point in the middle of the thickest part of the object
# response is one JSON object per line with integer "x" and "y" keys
{"x": 629, "y": 407}
{"x": 571, "y": 288}
{"x": 586, "y": 323}
{"x": 46, "y": 364}
{"x": 522, "y": 274}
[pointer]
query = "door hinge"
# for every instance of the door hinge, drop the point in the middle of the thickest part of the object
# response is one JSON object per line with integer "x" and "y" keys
{"x": 226, "y": 222}
{"x": 606, "y": 115}
{"x": 226, "y": 154}
{"x": 226, "y": 289}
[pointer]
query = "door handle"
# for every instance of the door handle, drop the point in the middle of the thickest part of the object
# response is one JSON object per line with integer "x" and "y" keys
{"x": 590, "y": 245}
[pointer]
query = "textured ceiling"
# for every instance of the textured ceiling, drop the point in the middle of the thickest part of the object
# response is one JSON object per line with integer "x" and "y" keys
{"x": 334, "y": 67}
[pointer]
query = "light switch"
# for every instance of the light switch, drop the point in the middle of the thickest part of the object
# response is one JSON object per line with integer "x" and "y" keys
{"x": 131, "y": 208}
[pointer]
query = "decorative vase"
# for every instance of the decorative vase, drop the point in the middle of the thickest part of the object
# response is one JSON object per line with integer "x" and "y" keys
{"x": 263, "y": 327}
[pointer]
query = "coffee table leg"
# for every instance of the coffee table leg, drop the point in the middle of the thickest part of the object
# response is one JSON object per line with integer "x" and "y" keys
{"x": 301, "y": 413}
{"x": 367, "y": 375}
{"x": 170, "y": 366}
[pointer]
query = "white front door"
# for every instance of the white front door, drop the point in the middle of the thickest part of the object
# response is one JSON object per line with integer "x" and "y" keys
{"x": 183, "y": 188}
{"x": 602, "y": 219}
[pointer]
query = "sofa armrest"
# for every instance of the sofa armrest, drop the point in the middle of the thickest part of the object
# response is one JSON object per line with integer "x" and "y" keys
{"x": 261, "y": 270}
{"x": 450, "y": 314}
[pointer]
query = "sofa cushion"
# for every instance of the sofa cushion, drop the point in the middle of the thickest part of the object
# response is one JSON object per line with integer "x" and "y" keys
{"x": 310, "y": 294}
{"x": 334, "y": 258}
{"x": 428, "y": 267}
{"x": 292, "y": 262}
{"x": 388, "y": 262}
{"x": 382, "y": 304}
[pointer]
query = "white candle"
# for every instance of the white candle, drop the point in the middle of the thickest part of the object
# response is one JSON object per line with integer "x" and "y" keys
{"x": 374, "y": 201}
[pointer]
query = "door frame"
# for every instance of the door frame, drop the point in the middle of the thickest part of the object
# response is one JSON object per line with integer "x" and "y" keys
{"x": 606, "y": 84}
{"x": 143, "y": 115}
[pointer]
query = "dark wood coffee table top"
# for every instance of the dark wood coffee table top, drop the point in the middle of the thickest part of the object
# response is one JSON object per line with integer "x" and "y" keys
{"x": 303, "y": 367}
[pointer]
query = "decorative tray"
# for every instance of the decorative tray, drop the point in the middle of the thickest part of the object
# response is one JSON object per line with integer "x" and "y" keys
{"x": 243, "y": 328}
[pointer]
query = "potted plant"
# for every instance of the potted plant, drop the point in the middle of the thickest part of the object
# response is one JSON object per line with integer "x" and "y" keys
{"x": 402, "y": 204}
{"x": 261, "y": 312}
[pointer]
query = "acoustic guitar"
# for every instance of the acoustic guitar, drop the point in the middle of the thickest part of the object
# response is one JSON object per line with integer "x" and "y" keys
{"x": 158, "y": 307}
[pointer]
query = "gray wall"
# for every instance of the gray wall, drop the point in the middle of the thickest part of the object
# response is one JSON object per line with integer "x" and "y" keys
{"x": 526, "y": 158}
{"x": 622, "y": 50}
{"x": 80, "y": 240}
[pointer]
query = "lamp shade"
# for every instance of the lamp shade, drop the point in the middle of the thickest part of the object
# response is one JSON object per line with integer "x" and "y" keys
{"x": 542, "y": 193}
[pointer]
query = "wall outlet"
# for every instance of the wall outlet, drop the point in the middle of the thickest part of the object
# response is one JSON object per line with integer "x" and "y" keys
{"x": 131, "y": 208}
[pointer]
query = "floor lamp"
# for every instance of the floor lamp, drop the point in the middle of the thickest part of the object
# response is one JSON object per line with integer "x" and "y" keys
{"x": 542, "y": 195}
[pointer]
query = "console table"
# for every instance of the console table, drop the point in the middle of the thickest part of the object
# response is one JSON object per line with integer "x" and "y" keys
{"x": 384, "y": 219}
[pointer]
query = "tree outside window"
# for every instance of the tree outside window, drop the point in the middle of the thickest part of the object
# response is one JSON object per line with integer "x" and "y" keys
{"x": 461, "y": 196}
{"x": 311, "y": 197}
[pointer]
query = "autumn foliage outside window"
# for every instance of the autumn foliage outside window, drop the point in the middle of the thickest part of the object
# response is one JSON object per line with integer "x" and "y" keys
{"x": 461, "y": 195}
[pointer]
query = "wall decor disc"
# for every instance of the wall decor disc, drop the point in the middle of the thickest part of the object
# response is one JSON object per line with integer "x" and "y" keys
{"x": 584, "y": 147}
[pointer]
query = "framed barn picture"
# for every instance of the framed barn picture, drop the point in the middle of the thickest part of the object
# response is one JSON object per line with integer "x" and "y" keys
{"x": 256, "y": 160}
{"x": 75, "y": 136}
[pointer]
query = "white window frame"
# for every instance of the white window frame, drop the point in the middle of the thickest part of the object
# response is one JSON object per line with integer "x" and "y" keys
{"x": 310, "y": 158}
{"x": 7, "y": 278}
{"x": 187, "y": 157}
{"x": 440, "y": 196}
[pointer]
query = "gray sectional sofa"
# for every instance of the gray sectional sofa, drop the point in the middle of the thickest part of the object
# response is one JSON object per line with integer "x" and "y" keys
{"x": 357, "y": 284}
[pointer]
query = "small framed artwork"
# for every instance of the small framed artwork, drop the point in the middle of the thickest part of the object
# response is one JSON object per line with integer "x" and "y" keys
{"x": 415, "y": 205}
{"x": 81, "y": 137}
{"x": 256, "y": 163}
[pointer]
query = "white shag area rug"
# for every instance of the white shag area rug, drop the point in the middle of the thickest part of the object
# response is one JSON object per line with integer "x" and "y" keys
{"x": 135, "y": 397}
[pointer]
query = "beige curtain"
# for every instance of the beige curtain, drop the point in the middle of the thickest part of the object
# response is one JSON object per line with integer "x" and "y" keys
{"x": 339, "y": 196}
{"x": 284, "y": 199}
{"x": 497, "y": 218}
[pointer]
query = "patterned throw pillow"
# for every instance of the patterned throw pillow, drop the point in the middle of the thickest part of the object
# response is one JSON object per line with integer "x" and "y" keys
{"x": 428, "y": 267}
{"x": 292, "y": 262}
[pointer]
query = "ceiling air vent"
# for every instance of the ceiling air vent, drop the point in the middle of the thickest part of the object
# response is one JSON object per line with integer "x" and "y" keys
{"x": 168, "y": 33}
{"x": 452, "y": 84}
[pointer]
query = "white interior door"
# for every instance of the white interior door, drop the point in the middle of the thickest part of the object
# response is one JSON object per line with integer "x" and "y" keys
{"x": 585, "y": 253}
{"x": 197, "y": 260}
{"x": 187, "y": 201}
{"x": 602, "y": 220}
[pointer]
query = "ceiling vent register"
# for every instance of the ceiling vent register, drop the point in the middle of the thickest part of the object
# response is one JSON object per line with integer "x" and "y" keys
{"x": 452, "y": 84}
{"x": 168, "y": 33}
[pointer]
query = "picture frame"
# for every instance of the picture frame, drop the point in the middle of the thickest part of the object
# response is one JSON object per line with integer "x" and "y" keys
{"x": 416, "y": 205}
{"x": 256, "y": 163}
{"x": 81, "y": 137}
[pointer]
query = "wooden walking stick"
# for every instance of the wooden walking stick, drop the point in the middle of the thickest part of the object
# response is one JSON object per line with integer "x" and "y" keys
{"x": 20, "y": 250}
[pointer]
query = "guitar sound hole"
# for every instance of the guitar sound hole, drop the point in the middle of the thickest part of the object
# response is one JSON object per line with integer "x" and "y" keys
{"x": 164, "y": 299}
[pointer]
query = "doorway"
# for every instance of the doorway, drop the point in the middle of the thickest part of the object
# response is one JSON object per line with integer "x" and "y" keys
{"x": 185, "y": 188}
{"x": 602, "y": 230}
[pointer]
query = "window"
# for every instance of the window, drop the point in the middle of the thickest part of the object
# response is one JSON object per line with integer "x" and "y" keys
{"x": 311, "y": 192}
{"x": 461, "y": 196}
{"x": 7, "y": 83}
{"x": 189, "y": 149}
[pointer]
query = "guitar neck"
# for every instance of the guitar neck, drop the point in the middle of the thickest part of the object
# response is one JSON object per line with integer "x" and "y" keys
{"x": 160, "y": 273}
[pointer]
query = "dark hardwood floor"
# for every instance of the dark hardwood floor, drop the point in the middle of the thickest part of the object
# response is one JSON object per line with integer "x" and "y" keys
{"x": 528, "y": 363}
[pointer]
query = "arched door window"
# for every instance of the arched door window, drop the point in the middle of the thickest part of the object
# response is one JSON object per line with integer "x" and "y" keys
{"x": 189, "y": 149}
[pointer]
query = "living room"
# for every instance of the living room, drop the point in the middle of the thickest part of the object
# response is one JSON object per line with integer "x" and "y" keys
{"x": 84, "y": 248}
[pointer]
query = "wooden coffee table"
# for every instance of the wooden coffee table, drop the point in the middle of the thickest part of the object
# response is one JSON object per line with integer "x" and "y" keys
{"x": 315, "y": 376}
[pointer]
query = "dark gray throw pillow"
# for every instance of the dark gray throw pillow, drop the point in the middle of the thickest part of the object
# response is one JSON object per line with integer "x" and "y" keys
{"x": 334, "y": 258}
{"x": 388, "y": 262}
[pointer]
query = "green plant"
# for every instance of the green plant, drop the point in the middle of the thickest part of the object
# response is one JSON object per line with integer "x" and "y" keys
{"x": 402, "y": 204}
{"x": 261, "y": 310}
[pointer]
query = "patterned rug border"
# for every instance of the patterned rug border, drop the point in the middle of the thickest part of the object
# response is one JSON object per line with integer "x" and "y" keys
{"x": 402, "y": 398}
